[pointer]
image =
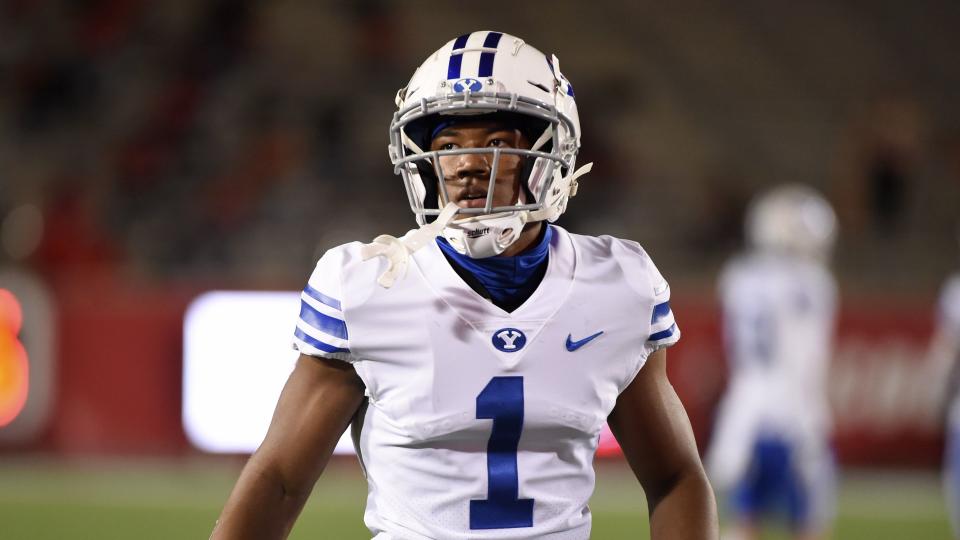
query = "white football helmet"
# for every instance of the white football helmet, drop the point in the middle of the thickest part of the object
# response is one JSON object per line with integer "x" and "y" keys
{"x": 488, "y": 73}
{"x": 792, "y": 218}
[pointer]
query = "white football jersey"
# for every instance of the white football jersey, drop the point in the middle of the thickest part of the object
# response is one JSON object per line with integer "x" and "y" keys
{"x": 778, "y": 317}
{"x": 482, "y": 423}
{"x": 948, "y": 320}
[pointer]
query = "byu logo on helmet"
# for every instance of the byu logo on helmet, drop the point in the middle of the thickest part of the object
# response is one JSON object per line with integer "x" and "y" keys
{"x": 463, "y": 85}
{"x": 509, "y": 340}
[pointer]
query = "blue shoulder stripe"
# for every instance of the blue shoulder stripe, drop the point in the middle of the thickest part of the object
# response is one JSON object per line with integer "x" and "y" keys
{"x": 322, "y": 298}
{"x": 660, "y": 311}
{"x": 663, "y": 334}
{"x": 323, "y": 322}
{"x": 456, "y": 58}
{"x": 486, "y": 58}
{"x": 317, "y": 344}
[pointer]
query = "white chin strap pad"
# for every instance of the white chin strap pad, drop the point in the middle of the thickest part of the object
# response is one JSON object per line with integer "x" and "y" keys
{"x": 397, "y": 251}
{"x": 485, "y": 236}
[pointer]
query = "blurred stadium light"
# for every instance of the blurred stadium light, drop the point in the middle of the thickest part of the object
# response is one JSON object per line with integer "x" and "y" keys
{"x": 236, "y": 358}
{"x": 27, "y": 368}
{"x": 14, "y": 369}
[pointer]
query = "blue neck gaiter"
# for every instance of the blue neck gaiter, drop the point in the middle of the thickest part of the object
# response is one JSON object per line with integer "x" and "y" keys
{"x": 509, "y": 281}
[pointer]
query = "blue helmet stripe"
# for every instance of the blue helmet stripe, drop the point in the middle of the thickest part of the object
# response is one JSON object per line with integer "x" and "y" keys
{"x": 486, "y": 59}
{"x": 456, "y": 57}
{"x": 317, "y": 344}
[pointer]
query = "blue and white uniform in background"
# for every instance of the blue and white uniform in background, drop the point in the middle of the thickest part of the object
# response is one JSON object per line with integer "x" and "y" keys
{"x": 482, "y": 423}
{"x": 948, "y": 326}
{"x": 770, "y": 446}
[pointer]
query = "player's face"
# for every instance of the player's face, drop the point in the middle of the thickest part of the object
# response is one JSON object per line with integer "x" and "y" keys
{"x": 467, "y": 176}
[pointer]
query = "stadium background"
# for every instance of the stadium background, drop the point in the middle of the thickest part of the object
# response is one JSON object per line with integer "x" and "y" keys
{"x": 150, "y": 152}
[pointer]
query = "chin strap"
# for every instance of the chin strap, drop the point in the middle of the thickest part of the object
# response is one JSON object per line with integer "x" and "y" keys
{"x": 397, "y": 250}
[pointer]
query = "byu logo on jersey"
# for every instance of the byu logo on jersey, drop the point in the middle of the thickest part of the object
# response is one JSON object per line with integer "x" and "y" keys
{"x": 463, "y": 85}
{"x": 509, "y": 340}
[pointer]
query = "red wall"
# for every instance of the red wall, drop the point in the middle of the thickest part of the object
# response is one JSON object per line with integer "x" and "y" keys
{"x": 119, "y": 369}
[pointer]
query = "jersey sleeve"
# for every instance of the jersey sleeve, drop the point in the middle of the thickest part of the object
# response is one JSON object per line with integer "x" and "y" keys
{"x": 664, "y": 331}
{"x": 321, "y": 329}
{"x": 654, "y": 297}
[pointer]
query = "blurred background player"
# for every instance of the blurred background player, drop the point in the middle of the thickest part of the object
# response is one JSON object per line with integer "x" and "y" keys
{"x": 942, "y": 357}
{"x": 770, "y": 453}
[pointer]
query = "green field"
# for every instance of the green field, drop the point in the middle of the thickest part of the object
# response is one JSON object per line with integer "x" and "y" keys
{"x": 180, "y": 499}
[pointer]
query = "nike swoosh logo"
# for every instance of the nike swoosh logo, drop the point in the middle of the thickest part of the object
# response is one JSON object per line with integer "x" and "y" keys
{"x": 574, "y": 345}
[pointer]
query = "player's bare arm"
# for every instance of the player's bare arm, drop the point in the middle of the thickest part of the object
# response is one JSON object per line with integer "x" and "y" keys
{"x": 652, "y": 428}
{"x": 316, "y": 406}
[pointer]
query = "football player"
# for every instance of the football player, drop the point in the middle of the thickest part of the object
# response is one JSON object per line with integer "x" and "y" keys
{"x": 943, "y": 358}
{"x": 770, "y": 454}
{"x": 478, "y": 356}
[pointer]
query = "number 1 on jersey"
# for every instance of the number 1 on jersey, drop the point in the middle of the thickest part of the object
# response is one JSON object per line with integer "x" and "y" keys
{"x": 502, "y": 401}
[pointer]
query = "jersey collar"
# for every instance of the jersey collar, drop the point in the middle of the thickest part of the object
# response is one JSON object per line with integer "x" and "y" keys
{"x": 508, "y": 280}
